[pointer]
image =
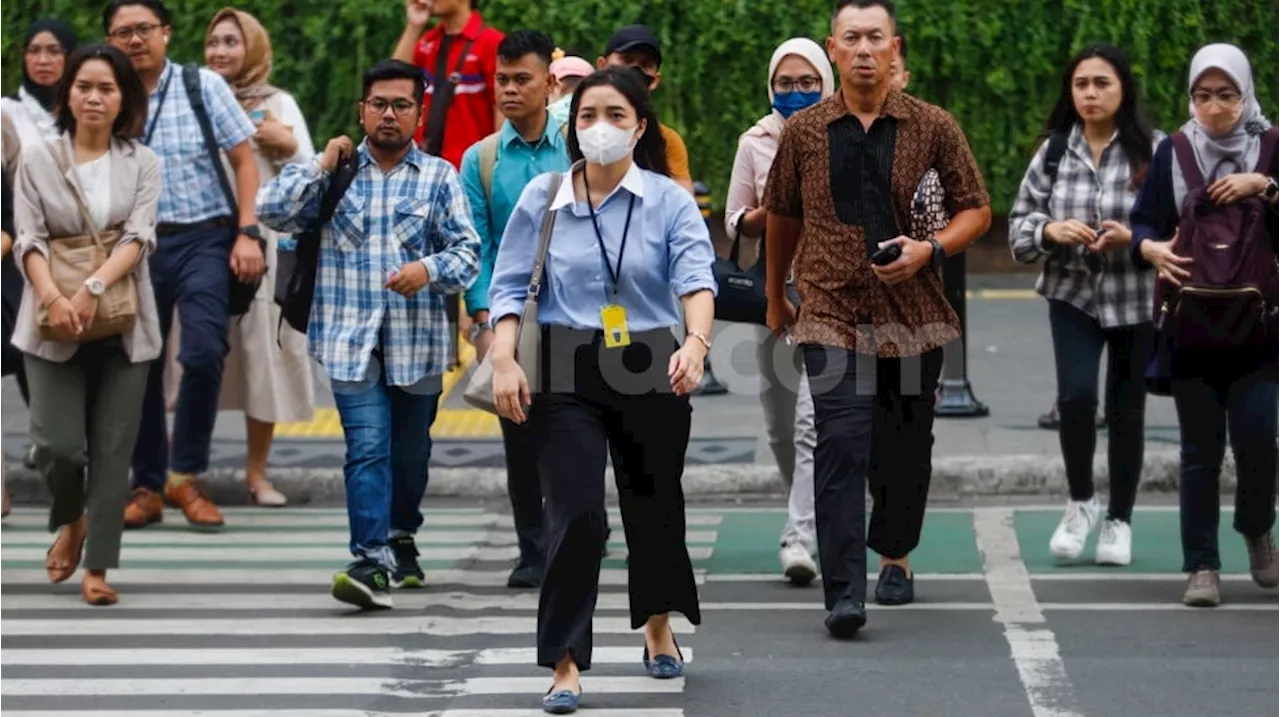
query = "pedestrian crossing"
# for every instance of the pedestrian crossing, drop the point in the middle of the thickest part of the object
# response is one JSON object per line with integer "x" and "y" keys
{"x": 240, "y": 624}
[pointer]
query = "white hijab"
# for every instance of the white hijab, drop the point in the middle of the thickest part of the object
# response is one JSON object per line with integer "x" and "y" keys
{"x": 1242, "y": 145}
{"x": 811, "y": 52}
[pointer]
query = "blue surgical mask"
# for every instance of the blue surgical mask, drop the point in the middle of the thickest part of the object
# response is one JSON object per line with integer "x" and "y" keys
{"x": 789, "y": 103}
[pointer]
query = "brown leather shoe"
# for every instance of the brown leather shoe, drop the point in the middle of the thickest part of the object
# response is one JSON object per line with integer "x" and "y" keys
{"x": 144, "y": 507}
{"x": 199, "y": 510}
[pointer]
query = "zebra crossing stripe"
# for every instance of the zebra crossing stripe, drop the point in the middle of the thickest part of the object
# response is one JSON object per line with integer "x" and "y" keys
{"x": 334, "y": 553}
{"x": 173, "y": 538}
{"x": 260, "y": 656}
{"x": 283, "y": 686}
{"x": 440, "y": 626}
{"x": 264, "y": 518}
{"x": 526, "y": 601}
{"x": 616, "y": 712}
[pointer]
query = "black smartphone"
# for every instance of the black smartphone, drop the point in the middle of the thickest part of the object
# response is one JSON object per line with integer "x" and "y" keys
{"x": 887, "y": 255}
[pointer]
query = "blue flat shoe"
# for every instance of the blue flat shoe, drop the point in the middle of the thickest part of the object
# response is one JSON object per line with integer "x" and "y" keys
{"x": 664, "y": 667}
{"x": 561, "y": 703}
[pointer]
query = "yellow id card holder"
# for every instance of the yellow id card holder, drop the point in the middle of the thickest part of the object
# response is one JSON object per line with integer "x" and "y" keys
{"x": 614, "y": 320}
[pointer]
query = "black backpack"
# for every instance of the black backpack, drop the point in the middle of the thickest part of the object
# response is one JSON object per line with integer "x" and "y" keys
{"x": 296, "y": 268}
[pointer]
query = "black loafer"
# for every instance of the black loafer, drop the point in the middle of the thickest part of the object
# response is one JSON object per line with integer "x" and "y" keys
{"x": 895, "y": 587}
{"x": 846, "y": 618}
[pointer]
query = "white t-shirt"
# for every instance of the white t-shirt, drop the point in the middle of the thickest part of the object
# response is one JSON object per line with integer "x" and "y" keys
{"x": 95, "y": 180}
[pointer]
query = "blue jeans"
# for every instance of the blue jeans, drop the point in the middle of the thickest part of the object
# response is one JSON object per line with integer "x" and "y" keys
{"x": 188, "y": 270}
{"x": 1209, "y": 414}
{"x": 388, "y": 434}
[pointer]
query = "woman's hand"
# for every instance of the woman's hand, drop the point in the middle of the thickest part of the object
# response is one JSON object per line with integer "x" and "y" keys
{"x": 276, "y": 139}
{"x": 1069, "y": 232}
{"x": 685, "y": 366}
{"x": 64, "y": 318}
{"x": 510, "y": 389}
{"x": 1168, "y": 265}
{"x": 1234, "y": 187}
{"x": 86, "y": 307}
{"x": 1114, "y": 234}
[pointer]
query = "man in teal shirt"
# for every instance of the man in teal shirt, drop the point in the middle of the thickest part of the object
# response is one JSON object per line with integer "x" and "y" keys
{"x": 494, "y": 174}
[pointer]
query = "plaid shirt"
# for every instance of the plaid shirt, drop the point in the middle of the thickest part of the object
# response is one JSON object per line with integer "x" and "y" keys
{"x": 191, "y": 191}
{"x": 417, "y": 211}
{"x": 1114, "y": 291}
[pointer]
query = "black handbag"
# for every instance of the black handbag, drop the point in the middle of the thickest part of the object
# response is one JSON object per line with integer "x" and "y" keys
{"x": 741, "y": 297}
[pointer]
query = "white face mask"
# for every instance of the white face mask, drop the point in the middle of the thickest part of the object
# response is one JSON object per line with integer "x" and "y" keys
{"x": 605, "y": 143}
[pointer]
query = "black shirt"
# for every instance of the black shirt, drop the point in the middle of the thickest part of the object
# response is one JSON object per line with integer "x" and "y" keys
{"x": 861, "y": 172}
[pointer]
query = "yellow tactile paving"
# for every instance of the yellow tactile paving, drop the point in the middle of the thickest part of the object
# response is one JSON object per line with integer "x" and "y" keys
{"x": 450, "y": 423}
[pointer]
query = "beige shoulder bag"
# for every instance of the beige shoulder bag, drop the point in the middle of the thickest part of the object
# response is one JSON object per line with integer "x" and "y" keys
{"x": 479, "y": 391}
{"x": 73, "y": 259}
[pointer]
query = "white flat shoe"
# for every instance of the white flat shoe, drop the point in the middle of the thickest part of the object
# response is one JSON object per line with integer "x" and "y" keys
{"x": 265, "y": 495}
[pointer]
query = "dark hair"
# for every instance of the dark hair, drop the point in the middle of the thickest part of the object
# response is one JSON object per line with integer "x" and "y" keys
{"x": 526, "y": 42}
{"x": 902, "y": 49}
{"x": 1135, "y": 133}
{"x": 651, "y": 150}
{"x": 133, "y": 96}
{"x": 113, "y": 7}
{"x": 863, "y": 5}
{"x": 396, "y": 70}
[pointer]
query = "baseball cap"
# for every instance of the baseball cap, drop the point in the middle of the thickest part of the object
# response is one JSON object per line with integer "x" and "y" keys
{"x": 571, "y": 66}
{"x": 634, "y": 38}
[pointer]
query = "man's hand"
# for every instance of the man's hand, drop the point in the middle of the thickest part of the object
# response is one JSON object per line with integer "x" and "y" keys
{"x": 916, "y": 255}
{"x": 418, "y": 12}
{"x": 780, "y": 316}
{"x": 409, "y": 279}
{"x": 247, "y": 262}
{"x": 338, "y": 148}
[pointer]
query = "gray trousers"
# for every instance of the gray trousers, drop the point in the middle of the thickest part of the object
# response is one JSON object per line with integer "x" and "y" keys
{"x": 84, "y": 421}
{"x": 789, "y": 419}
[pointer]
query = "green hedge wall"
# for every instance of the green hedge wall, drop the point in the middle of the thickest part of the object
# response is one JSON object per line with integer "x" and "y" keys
{"x": 991, "y": 62}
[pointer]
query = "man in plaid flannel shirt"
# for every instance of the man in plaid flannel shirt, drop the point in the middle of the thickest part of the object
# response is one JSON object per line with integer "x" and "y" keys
{"x": 401, "y": 227}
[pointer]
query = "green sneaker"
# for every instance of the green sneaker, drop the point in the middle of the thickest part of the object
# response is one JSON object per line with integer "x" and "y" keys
{"x": 408, "y": 574}
{"x": 364, "y": 584}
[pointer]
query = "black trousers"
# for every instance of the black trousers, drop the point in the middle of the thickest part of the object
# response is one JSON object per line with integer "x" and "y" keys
{"x": 875, "y": 421}
{"x": 588, "y": 412}
{"x": 524, "y": 488}
{"x": 1078, "y": 342}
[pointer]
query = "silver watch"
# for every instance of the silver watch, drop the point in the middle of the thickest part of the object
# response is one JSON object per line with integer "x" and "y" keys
{"x": 95, "y": 286}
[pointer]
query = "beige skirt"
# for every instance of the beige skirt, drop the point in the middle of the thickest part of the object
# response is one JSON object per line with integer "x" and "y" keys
{"x": 267, "y": 373}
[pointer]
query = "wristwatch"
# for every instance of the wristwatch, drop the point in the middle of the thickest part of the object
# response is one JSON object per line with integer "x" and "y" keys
{"x": 1272, "y": 189}
{"x": 252, "y": 231}
{"x": 939, "y": 252}
{"x": 94, "y": 286}
{"x": 477, "y": 328}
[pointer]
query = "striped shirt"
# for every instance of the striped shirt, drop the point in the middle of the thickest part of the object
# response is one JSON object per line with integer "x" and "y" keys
{"x": 191, "y": 191}
{"x": 415, "y": 212}
{"x": 1114, "y": 291}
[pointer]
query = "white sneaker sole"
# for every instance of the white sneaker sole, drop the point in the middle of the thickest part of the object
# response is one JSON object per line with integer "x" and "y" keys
{"x": 353, "y": 592}
{"x": 800, "y": 573}
{"x": 1105, "y": 557}
{"x": 1069, "y": 554}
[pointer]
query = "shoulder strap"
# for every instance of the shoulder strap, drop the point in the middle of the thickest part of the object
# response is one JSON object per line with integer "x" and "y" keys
{"x": 544, "y": 237}
{"x": 1268, "y": 154}
{"x": 1186, "y": 157}
{"x": 488, "y": 160}
{"x": 343, "y": 176}
{"x": 64, "y": 164}
{"x": 195, "y": 95}
{"x": 1053, "y": 155}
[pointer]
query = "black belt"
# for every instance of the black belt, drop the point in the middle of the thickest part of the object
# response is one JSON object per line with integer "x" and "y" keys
{"x": 215, "y": 223}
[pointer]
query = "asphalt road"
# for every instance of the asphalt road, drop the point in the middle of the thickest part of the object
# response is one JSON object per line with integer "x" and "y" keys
{"x": 240, "y": 624}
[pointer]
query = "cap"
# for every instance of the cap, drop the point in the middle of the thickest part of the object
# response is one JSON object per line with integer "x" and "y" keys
{"x": 632, "y": 38}
{"x": 571, "y": 67}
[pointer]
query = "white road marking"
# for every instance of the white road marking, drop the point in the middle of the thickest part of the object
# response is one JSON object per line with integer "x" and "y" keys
{"x": 321, "y": 519}
{"x": 622, "y": 712}
{"x": 341, "y": 622}
{"x": 425, "y": 537}
{"x": 333, "y": 552}
{"x": 1072, "y": 576}
{"x": 383, "y": 687}
{"x": 222, "y": 657}
{"x": 1033, "y": 645}
{"x": 306, "y": 576}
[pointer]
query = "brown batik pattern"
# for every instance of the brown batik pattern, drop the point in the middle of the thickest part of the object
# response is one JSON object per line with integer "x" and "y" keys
{"x": 844, "y": 305}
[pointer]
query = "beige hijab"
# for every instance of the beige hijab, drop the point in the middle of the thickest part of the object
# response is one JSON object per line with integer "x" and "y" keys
{"x": 250, "y": 82}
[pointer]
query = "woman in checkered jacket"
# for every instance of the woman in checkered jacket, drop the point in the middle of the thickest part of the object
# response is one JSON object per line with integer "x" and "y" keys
{"x": 1072, "y": 215}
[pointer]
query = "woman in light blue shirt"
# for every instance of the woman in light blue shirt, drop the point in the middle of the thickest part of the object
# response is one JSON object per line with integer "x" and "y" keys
{"x": 627, "y": 241}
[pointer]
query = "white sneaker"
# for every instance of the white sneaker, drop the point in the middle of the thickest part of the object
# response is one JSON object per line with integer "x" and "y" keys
{"x": 1115, "y": 543}
{"x": 1079, "y": 520}
{"x": 797, "y": 564}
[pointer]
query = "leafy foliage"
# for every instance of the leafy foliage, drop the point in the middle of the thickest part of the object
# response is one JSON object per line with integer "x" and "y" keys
{"x": 995, "y": 64}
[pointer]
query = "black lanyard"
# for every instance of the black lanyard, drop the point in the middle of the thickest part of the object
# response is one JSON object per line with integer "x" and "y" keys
{"x": 614, "y": 274}
{"x": 164, "y": 92}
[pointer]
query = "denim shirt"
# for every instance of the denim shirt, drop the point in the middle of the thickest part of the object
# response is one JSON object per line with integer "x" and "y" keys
{"x": 517, "y": 163}
{"x": 668, "y": 254}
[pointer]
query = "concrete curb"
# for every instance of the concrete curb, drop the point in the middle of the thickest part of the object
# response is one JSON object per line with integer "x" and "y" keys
{"x": 960, "y": 476}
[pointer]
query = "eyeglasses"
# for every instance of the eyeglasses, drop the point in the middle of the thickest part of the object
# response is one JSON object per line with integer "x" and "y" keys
{"x": 400, "y": 107}
{"x": 1226, "y": 98}
{"x": 143, "y": 31}
{"x": 808, "y": 83}
{"x": 51, "y": 51}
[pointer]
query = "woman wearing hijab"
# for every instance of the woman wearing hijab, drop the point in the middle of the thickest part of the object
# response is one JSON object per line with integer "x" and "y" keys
{"x": 799, "y": 76}
{"x": 45, "y": 49}
{"x": 267, "y": 374}
{"x": 1217, "y": 392}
